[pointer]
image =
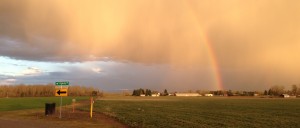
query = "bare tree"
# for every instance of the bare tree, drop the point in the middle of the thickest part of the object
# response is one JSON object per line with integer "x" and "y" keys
{"x": 41, "y": 90}
{"x": 277, "y": 90}
{"x": 294, "y": 89}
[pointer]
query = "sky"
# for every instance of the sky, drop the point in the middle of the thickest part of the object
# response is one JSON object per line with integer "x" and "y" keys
{"x": 157, "y": 44}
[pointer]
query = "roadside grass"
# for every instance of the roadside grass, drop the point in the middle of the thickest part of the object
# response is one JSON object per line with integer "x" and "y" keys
{"x": 30, "y": 112}
{"x": 200, "y": 112}
{"x": 21, "y": 103}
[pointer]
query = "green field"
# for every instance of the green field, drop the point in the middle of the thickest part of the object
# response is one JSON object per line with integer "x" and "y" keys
{"x": 10, "y": 104}
{"x": 202, "y": 111}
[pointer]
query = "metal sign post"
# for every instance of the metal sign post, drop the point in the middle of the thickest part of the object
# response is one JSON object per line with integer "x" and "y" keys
{"x": 61, "y": 92}
{"x": 60, "y": 104}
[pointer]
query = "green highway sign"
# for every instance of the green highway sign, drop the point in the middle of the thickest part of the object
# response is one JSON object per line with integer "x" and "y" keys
{"x": 62, "y": 83}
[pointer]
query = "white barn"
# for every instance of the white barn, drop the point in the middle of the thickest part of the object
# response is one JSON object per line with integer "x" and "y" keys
{"x": 187, "y": 94}
{"x": 285, "y": 95}
{"x": 209, "y": 95}
{"x": 155, "y": 94}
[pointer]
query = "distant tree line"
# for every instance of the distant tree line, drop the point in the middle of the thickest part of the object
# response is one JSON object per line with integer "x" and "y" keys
{"x": 83, "y": 91}
{"x": 138, "y": 92}
{"x": 275, "y": 90}
{"x": 147, "y": 92}
{"x": 44, "y": 91}
{"x": 278, "y": 90}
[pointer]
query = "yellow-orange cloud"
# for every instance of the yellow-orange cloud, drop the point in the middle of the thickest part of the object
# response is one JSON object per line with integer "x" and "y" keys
{"x": 244, "y": 35}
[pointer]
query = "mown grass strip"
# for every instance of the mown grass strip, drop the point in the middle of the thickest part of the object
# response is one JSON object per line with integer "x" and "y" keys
{"x": 11, "y": 104}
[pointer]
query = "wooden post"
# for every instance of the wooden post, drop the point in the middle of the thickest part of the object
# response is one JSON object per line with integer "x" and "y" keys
{"x": 92, "y": 102}
{"x": 73, "y": 104}
{"x": 73, "y": 107}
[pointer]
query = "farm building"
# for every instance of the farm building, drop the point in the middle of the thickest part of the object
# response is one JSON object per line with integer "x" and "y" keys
{"x": 285, "y": 95}
{"x": 142, "y": 95}
{"x": 187, "y": 94}
{"x": 155, "y": 94}
{"x": 172, "y": 94}
{"x": 209, "y": 95}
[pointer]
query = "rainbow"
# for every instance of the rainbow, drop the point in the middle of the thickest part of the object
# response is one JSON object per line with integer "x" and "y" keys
{"x": 214, "y": 63}
{"x": 210, "y": 50}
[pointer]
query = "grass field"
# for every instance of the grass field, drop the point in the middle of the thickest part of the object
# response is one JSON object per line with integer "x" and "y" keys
{"x": 29, "y": 112}
{"x": 10, "y": 104}
{"x": 202, "y": 111}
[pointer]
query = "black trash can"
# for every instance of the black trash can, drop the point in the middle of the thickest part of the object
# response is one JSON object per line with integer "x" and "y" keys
{"x": 49, "y": 108}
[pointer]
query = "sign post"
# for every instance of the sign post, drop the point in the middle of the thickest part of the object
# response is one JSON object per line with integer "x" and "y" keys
{"x": 60, "y": 105}
{"x": 73, "y": 104}
{"x": 92, "y": 103}
{"x": 61, "y": 92}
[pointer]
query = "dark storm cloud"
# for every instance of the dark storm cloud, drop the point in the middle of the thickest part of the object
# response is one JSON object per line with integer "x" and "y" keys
{"x": 123, "y": 76}
{"x": 246, "y": 36}
{"x": 156, "y": 33}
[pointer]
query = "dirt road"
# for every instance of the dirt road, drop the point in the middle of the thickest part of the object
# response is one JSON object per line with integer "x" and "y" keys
{"x": 5, "y": 123}
{"x": 77, "y": 119}
{"x": 36, "y": 119}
